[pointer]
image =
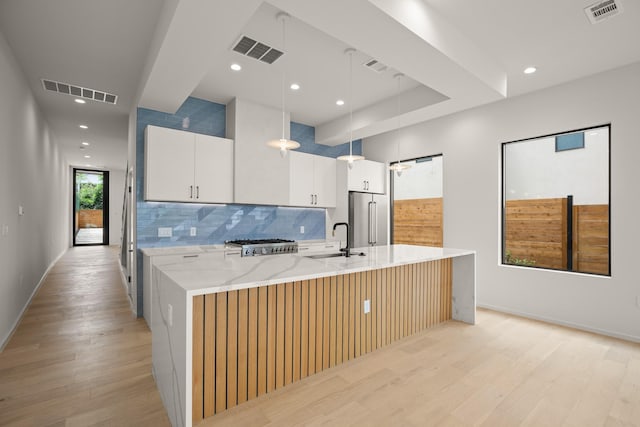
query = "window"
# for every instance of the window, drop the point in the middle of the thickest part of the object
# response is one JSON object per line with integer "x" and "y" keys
{"x": 555, "y": 202}
{"x": 416, "y": 203}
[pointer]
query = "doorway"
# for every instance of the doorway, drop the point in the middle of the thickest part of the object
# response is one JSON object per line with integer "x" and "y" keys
{"x": 90, "y": 207}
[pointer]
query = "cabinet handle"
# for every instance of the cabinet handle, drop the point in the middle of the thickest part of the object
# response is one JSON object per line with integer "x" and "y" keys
{"x": 190, "y": 256}
{"x": 197, "y": 191}
{"x": 312, "y": 199}
{"x": 191, "y": 191}
{"x": 315, "y": 199}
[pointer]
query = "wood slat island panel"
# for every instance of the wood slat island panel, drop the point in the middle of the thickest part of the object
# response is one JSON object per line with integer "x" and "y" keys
{"x": 250, "y": 342}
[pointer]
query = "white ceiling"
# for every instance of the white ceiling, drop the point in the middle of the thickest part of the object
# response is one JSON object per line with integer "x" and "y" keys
{"x": 456, "y": 54}
{"x": 90, "y": 43}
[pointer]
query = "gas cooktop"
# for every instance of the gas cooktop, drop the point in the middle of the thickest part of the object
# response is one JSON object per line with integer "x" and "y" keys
{"x": 258, "y": 247}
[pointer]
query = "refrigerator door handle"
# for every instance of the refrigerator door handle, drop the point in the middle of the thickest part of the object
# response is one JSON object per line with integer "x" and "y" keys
{"x": 373, "y": 226}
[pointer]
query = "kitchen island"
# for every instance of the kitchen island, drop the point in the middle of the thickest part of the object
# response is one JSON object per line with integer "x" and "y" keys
{"x": 226, "y": 331}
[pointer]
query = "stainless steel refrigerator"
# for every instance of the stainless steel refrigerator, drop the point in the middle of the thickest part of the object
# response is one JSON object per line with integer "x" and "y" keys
{"x": 367, "y": 219}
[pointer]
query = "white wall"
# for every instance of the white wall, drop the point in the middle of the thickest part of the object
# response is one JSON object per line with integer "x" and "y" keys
{"x": 116, "y": 199}
{"x": 534, "y": 170}
{"x": 33, "y": 175}
{"x": 471, "y": 141}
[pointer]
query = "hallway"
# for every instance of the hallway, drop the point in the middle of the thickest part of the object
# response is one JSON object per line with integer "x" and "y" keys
{"x": 79, "y": 357}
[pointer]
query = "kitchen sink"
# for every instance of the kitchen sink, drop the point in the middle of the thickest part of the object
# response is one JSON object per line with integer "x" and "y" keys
{"x": 333, "y": 255}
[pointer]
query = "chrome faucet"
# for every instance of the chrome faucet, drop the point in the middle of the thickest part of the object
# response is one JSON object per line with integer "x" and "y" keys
{"x": 347, "y": 250}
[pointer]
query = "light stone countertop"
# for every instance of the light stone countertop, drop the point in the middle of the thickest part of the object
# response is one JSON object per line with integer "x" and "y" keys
{"x": 197, "y": 276}
{"x": 180, "y": 250}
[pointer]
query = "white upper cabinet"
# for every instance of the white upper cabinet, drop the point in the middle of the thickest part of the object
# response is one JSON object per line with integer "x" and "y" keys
{"x": 324, "y": 173}
{"x": 187, "y": 167}
{"x": 367, "y": 176}
{"x": 312, "y": 180}
{"x": 213, "y": 169}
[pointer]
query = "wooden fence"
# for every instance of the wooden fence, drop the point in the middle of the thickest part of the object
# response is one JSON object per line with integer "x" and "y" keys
{"x": 591, "y": 239}
{"x": 537, "y": 230}
{"x": 89, "y": 218}
{"x": 536, "y": 234}
{"x": 418, "y": 222}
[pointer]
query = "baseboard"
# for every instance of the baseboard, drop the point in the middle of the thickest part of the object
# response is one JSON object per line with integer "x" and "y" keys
{"x": 15, "y": 325}
{"x": 572, "y": 325}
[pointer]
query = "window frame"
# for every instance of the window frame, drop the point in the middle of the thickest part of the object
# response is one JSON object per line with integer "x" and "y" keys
{"x": 503, "y": 200}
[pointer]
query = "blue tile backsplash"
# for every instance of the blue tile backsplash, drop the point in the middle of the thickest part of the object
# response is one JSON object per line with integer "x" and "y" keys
{"x": 217, "y": 223}
{"x": 306, "y": 136}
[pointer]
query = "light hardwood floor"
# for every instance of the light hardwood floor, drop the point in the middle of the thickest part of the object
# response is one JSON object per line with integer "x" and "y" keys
{"x": 80, "y": 358}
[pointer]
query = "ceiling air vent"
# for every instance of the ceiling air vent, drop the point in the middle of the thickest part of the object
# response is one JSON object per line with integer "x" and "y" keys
{"x": 375, "y": 65}
{"x": 79, "y": 92}
{"x": 254, "y": 49}
{"x": 602, "y": 10}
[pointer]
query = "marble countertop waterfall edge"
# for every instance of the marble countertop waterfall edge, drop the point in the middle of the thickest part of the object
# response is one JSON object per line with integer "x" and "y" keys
{"x": 202, "y": 276}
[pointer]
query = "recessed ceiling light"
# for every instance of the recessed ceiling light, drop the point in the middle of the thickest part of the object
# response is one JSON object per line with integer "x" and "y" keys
{"x": 294, "y": 86}
{"x": 236, "y": 67}
{"x": 80, "y": 101}
{"x": 84, "y": 127}
{"x": 85, "y": 143}
{"x": 530, "y": 70}
{"x": 340, "y": 102}
{"x": 87, "y": 156}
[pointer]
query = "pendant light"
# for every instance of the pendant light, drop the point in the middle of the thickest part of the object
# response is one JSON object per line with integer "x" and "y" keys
{"x": 399, "y": 166}
{"x": 351, "y": 157}
{"x": 283, "y": 144}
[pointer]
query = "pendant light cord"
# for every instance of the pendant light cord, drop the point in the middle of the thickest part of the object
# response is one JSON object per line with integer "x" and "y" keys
{"x": 284, "y": 18}
{"x": 351, "y": 104}
{"x": 398, "y": 77}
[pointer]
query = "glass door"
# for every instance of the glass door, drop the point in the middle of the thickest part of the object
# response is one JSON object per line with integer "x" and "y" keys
{"x": 90, "y": 207}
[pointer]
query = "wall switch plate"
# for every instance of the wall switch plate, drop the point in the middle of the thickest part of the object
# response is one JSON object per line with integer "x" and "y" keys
{"x": 165, "y": 232}
{"x": 302, "y": 229}
{"x": 193, "y": 231}
{"x": 5, "y": 230}
{"x": 367, "y": 306}
{"x": 20, "y": 210}
{"x": 170, "y": 314}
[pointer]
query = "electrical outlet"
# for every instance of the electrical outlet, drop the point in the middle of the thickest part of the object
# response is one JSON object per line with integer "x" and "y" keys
{"x": 165, "y": 232}
{"x": 302, "y": 229}
{"x": 367, "y": 306}
{"x": 193, "y": 231}
{"x": 20, "y": 210}
{"x": 170, "y": 314}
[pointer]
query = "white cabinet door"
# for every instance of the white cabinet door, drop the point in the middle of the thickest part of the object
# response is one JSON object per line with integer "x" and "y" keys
{"x": 325, "y": 181}
{"x": 301, "y": 177}
{"x": 213, "y": 169}
{"x": 367, "y": 176}
{"x": 307, "y": 248}
{"x": 312, "y": 180}
{"x": 168, "y": 165}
